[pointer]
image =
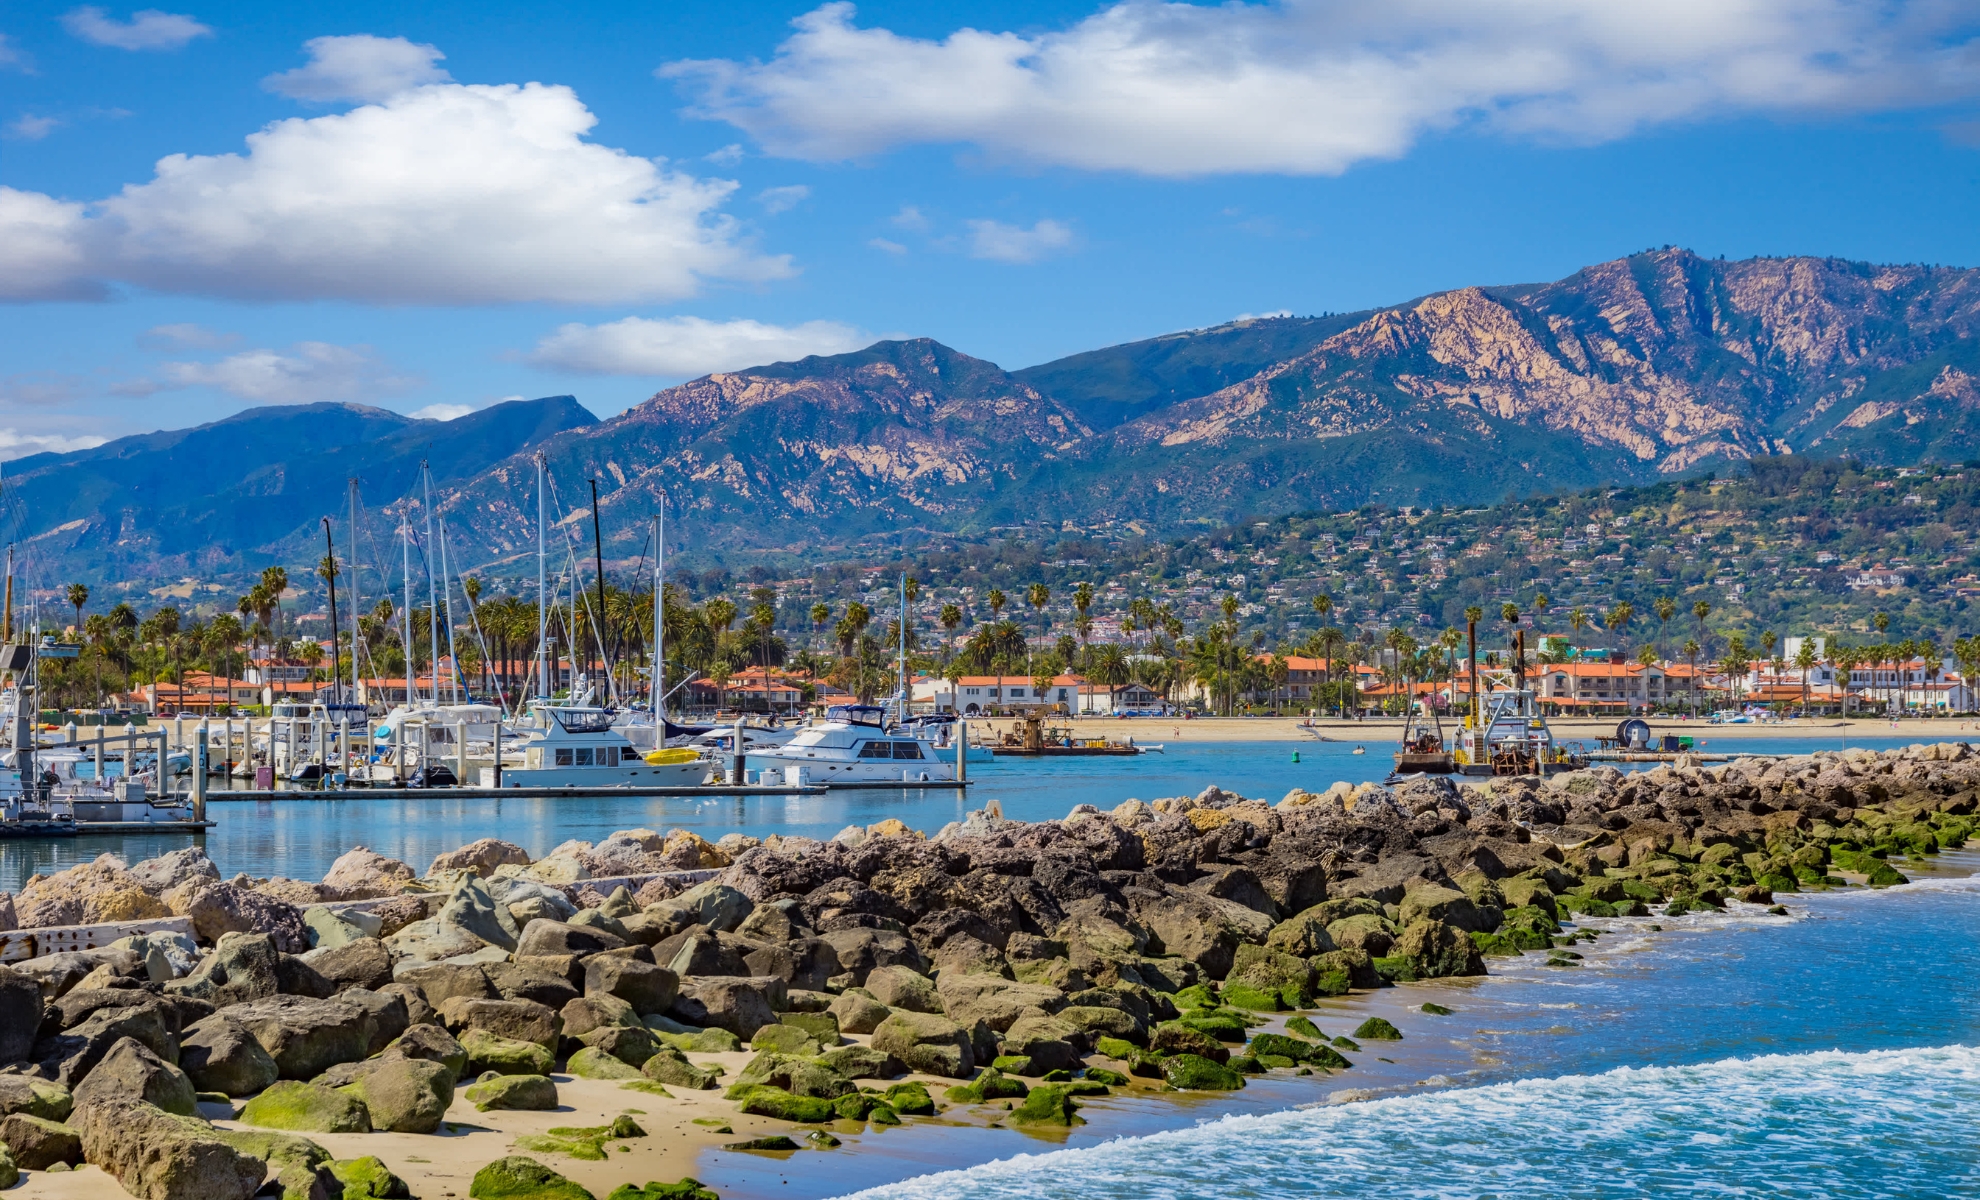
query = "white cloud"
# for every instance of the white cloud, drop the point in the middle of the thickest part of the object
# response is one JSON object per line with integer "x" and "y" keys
{"x": 146, "y": 30}
{"x": 445, "y": 194}
{"x": 910, "y": 217}
{"x": 685, "y": 347}
{"x": 359, "y": 67}
{"x": 999, "y": 242}
{"x": 314, "y": 371}
{"x": 1315, "y": 86}
{"x": 15, "y": 444}
{"x": 30, "y": 128}
{"x": 190, "y": 336}
{"x": 13, "y": 58}
{"x": 442, "y": 412}
{"x": 881, "y": 243}
{"x": 782, "y": 199}
{"x": 727, "y": 156}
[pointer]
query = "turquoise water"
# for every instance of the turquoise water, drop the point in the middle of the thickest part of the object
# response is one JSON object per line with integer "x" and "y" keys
{"x": 301, "y": 838}
{"x": 1830, "y": 1053}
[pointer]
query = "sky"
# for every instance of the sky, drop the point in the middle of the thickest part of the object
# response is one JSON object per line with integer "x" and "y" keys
{"x": 433, "y": 208}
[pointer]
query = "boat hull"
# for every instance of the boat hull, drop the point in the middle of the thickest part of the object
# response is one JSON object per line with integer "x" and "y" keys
{"x": 687, "y": 774}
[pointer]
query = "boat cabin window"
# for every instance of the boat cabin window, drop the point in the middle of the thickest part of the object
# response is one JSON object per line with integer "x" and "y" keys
{"x": 857, "y": 714}
{"x": 582, "y": 720}
{"x": 907, "y": 750}
{"x": 877, "y": 750}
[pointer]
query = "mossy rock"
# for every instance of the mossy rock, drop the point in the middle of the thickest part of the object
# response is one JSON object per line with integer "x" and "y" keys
{"x": 1196, "y": 995}
{"x": 1883, "y": 875}
{"x": 991, "y": 1085}
{"x": 1335, "y": 982}
{"x": 1778, "y": 882}
{"x": 10, "y": 1173}
{"x": 1585, "y": 905}
{"x": 823, "y": 1140}
{"x": 368, "y": 1178}
{"x": 1174, "y": 1037}
{"x": 307, "y": 1108}
{"x": 686, "y": 1189}
{"x": 504, "y": 1056}
{"x": 1246, "y": 1064}
{"x": 520, "y": 1093}
{"x": 1437, "y": 1010}
{"x": 669, "y": 1067}
{"x": 822, "y": 1026}
{"x": 883, "y": 1114}
{"x": 1241, "y": 995}
{"x": 1278, "y": 1045}
{"x": 520, "y": 1178}
{"x": 1304, "y": 1027}
{"x": 1048, "y": 1104}
{"x": 701, "y": 1041}
{"x": 1193, "y": 1072}
{"x": 591, "y": 1149}
{"x": 49, "y": 1101}
{"x": 854, "y": 1106}
{"x": 591, "y": 1063}
{"x": 1638, "y": 890}
{"x": 1376, "y": 1029}
{"x": 910, "y": 1098}
{"x": 648, "y": 1086}
{"x": 763, "y": 1101}
{"x": 1118, "y": 1048}
{"x": 1347, "y": 1043}
{"x": 1013, "y": 1064}
{"x": 1496, "y": 945}
{"x": 774, "y": 1144}
{"x": 785, "y": 1039}
{"x": 1059, "y": 1076}
{"x": 1396, "y": 968}
{"x": 1274, "y": 1061}
{"x": 1103, "y": 1075}
{"x": 1085, "y": 1087}
{"x": 1220, "y": 1024}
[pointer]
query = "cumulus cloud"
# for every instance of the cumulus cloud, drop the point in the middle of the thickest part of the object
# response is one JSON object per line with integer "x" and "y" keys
{"x": 999, "y": 242}
{"x": 359, "y": 67}
{"x": 16, "y": 444}
{"x": 146, "y": 30}
{"x": 442, "y": 412}
{"x": 311, "y": 372}
{"x": 782, "y": 199}
{"x": 444, "y": 194}
{"x": 685, "y": 347}
{"x": 1315, "y": 86}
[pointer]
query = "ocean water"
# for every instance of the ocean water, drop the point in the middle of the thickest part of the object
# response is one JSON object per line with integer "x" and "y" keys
{"x": 301, "y": 838}
{"x": 1829, "y": 1053}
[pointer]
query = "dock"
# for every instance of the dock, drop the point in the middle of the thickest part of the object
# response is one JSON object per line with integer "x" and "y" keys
{"x": 48, "y": 829}
{"x": 1663, "y": 756}
{"x": 482, "y": 793}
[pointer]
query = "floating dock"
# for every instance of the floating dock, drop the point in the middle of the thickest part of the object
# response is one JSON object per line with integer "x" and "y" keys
{"x": 481, "y": 793}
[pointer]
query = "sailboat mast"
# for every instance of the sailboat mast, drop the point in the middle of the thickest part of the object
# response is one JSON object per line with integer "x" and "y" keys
{"x": 542, "y": 588}
{"x": 432, "y": 584}
{"x": 598, "y": 564}
{"x": 405, "y": 618}
{"x": 900, "y": 630}
{"x": 330, "y": 574}
{"x": 351, "y": 696}
{"x": 447, "y": 593}
{"x": 659, "y": 602}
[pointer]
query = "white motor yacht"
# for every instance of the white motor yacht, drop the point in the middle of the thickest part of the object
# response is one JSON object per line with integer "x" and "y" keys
{"x": 578, "y": 747}
{"x": 853, "y": 745}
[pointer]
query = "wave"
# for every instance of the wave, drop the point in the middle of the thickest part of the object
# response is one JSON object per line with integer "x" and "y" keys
{"x": 1889, "y": 1123}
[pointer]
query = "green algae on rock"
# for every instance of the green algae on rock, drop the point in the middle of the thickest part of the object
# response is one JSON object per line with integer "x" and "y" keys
{"x": 307, "y": 1108}
{"x": 520, "y": 1178}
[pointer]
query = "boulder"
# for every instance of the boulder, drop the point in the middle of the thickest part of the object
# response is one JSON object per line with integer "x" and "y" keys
{"x": 784, "y": 1039}
{"x": 1304, "y": 933}
{"x": 806, "y": 963}
{"x": 174, "y": 869}
{"x": 1203, "y": 929}
{"x": 632, "y": 1045}
{"x": 862, "y": 1062}
{"x": 504, "y": 1056}
{"x": 468, "y": 922}
{"x": 544, "y": 937}
{"x": 545, "y": 981}
{"x": 590, "y": 1063}
{"x": 993, "y": 1000}
{"x": 35, "y": 1097}
{"x": 432, "y": 1044}
{"x": 587, "y": 1013}
{"x": 1052, "y": 1044}
{"x": 306, "y": 1108}
{"x": 361, "y": 874}
{"x": 89, "y": 893}
{"x": 1450, "y": 906}
{"x": 775, "y": 921}
{"x": 218, "y": 1054}
{"x": 930, "y": 1044}
{"x": 156, "y": 1155}
{"x": 860, "y": 950}
{"x": 900, "y": 987}
{"x": 38, "y": 1143}
{"x": 534, "y": 1093}
{"x": 368, "y": 1178}
{"x": 518, "y": 1178}
{"x": 441, "y": 982}
{"x": 385, "y": 1016}
{"x": 131, "y": 1071}
{"x": 362, "y": 962}
{"x": 481, "y": 857}
{"x": 1365, "y": 932}
{"x": 405, "y": 1095}
{"x": 649, "y": 989}
{"x": 858, "y": 1012}
{"x": 739, "y": 1004}
{"x": 242, "y": 967}
{"x": 20, "y": 1014}
{"x": 1193, "y": 1072}
{"x": 304, "y": 1036}
{"x": 69, "y": 1057}
{"x": 217, "y": 909}
{"x": 669, "y": 1066}
{"x": 295, "y": 977}
{"x": 699, "y": 951}
{"x": 330, "y": 928}
{"x": 1437, "y": 950}
{"x": 516, "y": 1020}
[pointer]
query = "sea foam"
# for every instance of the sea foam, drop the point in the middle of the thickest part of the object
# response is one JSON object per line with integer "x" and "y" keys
{"x": 1891, "y": 1123}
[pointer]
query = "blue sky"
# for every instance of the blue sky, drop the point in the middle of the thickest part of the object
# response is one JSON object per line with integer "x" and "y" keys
{"x": 442, "y": 208}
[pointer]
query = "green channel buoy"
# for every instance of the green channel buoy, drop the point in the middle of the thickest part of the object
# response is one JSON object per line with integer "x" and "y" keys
{"x": 1295, "y": 756}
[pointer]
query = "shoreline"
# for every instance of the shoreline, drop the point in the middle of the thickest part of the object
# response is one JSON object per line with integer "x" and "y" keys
{"x": 1378, "y": 733}
{"x": 1154, "y": 940}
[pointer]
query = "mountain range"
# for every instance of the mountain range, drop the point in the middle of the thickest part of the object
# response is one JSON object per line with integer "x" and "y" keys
{"x": 1659, "y": 364}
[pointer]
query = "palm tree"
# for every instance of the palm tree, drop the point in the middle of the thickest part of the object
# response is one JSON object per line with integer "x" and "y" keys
{"x": 1577, "y": 619}
{"x": 821, "y": 612}
{"x": 97, "y": 632}
{"x": 275, "y": 581}
{"x": 951, "y": 618}
{"x": 1619, "y": 616}
{"x": 997, "y": 601}
{"x": 1323, "y": 605}
{"x": 1734, "y": 662}
{"x": 1665, "y": 608}
{"x": 1038, "y": 596}
{"x": 1882, "y": 623}
{"x": 1473, "y": 614}
{"x": 1331, "y": 639}
{"x": 1691, "y": 684}
{"x": 1451, "y": 639}
{"x": 1701, "y": 610}
{"x": 1804, "y": 658}
{"x": 78, "y": 596}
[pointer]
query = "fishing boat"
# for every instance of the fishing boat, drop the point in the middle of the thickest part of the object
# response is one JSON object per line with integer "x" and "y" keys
{"x": 1511, "y": 737}
{"x": 1422, "y": 750}
{"x": 578, "y": 747}
{"x": 853, "y": 744}
{"x": 1034, "y": 739}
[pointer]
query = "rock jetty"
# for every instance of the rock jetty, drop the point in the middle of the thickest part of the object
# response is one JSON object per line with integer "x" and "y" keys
{"x": 881, "y": 975}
